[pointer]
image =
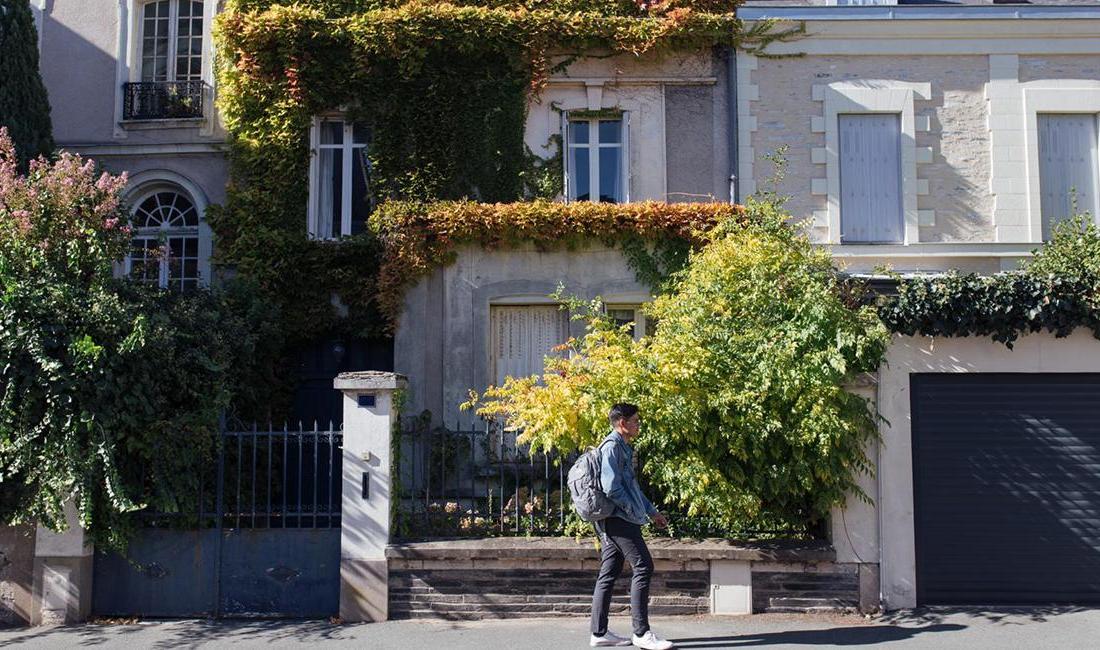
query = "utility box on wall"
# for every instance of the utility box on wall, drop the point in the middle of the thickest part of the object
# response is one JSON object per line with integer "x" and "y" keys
{"x": 730, "y": 587}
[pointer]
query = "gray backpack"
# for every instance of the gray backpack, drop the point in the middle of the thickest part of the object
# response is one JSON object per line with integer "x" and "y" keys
{"x": 589, "y": 500}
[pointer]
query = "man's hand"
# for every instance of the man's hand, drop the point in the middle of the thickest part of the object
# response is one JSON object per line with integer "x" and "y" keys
{"x": 659, "y": 520}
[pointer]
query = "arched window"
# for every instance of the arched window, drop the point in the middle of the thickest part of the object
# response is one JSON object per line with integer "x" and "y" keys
{"x": 165, "y": 248}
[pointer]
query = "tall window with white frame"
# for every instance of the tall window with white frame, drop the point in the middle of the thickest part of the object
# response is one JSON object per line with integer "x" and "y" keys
{"x": 870, "y": 179}
{"x": 171, "y": 40}
{"x": 1069, "y": 167}
{"x": 165, "y": 247}
{"x": 340, "y": 197}
{"x": 596, "y": 166}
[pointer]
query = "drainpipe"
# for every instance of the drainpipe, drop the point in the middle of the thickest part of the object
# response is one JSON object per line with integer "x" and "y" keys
{"x": 731, "y": 110}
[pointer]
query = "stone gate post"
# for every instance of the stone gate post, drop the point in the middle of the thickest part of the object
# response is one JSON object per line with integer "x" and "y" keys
{"x": 369, "y": 418}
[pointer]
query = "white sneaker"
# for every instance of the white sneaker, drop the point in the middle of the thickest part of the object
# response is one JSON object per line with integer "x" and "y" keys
{"x": 650, "y": 641}
{"x": 608, "y": 639}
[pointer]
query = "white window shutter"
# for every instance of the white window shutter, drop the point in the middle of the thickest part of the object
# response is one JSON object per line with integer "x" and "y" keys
{"x": 1068, "y": 167}
{"x": 870, "y": 178}
{"x": 522, "y": 337}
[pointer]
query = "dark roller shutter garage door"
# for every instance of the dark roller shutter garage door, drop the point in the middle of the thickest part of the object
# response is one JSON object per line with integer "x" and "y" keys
{"x": 1006, "y": 471}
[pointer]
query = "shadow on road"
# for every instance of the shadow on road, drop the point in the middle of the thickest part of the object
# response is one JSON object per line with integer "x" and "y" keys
{"x": 837, "y": 636}
{"x": 1007, "y": 615}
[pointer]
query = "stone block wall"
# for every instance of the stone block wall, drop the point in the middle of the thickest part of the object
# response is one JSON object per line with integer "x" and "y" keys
{"x": 805, "y": 588}
{"x": 519, "y": 588}
{"x": 551, "y": 577}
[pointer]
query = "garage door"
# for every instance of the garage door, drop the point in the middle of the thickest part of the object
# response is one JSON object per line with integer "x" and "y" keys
{"x": 1006, "y": 471}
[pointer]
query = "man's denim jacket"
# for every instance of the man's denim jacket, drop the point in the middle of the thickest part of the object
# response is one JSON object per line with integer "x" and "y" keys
{"x": 619, "y": 483}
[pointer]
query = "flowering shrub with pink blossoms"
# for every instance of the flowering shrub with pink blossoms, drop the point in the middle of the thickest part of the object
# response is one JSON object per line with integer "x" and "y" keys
{"x": 110, "y": 390}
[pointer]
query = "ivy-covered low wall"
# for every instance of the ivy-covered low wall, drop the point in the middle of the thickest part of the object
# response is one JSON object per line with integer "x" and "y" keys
{"x": 1057, "y": 291}
{"x": 417, "y": 237}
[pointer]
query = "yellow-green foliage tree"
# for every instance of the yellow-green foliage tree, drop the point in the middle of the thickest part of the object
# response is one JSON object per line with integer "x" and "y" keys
{"x": 745, "y": 418}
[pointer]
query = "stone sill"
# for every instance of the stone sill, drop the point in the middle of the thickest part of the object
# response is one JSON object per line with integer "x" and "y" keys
{"x": 169, "y": 123}
{"x": 565, "y": 548}
{"x": 934, "y": 249}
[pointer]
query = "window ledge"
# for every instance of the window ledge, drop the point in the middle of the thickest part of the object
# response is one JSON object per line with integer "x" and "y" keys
{"x": 166, "y": 123}
{"x": 930, "y": 249}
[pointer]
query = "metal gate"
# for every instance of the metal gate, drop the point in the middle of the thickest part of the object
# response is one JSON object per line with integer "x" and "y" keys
{"x": 269, "y": 548}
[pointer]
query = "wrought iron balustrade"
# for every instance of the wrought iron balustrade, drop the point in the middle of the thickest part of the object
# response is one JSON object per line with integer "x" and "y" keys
{"x": 163, "y": 100}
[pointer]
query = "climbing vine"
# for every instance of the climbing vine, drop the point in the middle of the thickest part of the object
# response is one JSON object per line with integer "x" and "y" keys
{"x": 1057, "y": 292}
{"x": 444, "y": 88}
{"x": 417, "y": 236}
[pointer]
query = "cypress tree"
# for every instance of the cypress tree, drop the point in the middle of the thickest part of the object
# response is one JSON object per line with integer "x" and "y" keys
{"x": 24, "y": 105}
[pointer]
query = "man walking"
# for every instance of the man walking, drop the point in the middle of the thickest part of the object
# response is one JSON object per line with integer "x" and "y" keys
{"x": 621, "y": 535}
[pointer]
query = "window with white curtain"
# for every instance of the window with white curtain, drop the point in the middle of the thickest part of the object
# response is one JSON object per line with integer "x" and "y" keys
{"x": 1069, "y": 166}
{"x": 171, "y": 40}
{"x": 340, "y": 198}
{"x": 870, "y": 178}
{"x": 522, "y": 336}
{"x": 596, "y": 160}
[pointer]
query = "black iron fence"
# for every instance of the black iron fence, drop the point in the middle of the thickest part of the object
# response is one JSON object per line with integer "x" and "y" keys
{"x": 161, "y": 100}
{"x": 476, "y": 481}
{"x": 267, "y": 478}
{"x": 479, "y": 481}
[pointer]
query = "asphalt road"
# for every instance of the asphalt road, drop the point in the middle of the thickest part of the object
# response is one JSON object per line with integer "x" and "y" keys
{"x": 1061, "y": 628}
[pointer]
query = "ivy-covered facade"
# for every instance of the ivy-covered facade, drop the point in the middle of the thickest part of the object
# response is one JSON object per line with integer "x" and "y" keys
{"x": 266, "y": 140}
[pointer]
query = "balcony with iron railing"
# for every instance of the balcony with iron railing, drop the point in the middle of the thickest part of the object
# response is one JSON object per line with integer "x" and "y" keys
{"x": 163, "y": 100}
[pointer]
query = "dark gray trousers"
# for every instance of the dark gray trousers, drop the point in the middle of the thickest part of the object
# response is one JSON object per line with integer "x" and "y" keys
{"x": 619, "y": 540}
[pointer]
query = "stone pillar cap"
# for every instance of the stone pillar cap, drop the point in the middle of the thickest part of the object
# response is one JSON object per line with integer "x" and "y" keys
{"x": 369, "y": 380}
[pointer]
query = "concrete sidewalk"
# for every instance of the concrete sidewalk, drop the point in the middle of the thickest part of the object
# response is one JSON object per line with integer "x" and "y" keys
{"x": 1061, "y": 628}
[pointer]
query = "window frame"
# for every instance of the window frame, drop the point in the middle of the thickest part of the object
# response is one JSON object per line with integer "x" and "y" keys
{"x": 348, "y": 146}
{"x": 173, "y": 42}
{"x": 869, "y": 96}
{"x": 164, "y": 233}
{"x": 1045, "y": 96}
{"x": 569, "y": 190}
{"x": 641, "y": 322}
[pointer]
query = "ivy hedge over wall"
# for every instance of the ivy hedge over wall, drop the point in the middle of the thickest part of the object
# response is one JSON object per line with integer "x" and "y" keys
{"x": 1057, "y": 291}
{"x": 444, "y": 87}
{"x": 417, "y": 237}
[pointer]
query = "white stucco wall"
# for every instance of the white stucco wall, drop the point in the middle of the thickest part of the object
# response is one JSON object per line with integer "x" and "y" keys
{"x": 1042, "y": 352}
{"x": 442, "y": 339}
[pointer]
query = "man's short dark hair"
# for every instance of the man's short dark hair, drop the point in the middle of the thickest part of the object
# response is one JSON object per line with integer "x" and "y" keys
{"x": 621, "y": 411}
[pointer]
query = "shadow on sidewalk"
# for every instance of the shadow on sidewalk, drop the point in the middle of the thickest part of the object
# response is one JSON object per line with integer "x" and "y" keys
{"x": 859, "y": 635}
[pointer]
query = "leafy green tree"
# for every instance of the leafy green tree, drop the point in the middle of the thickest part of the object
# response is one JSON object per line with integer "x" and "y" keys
{"x": 110, "y": 390}
{"x": 24, "y": 105}
{"x": 745, "y": 418}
